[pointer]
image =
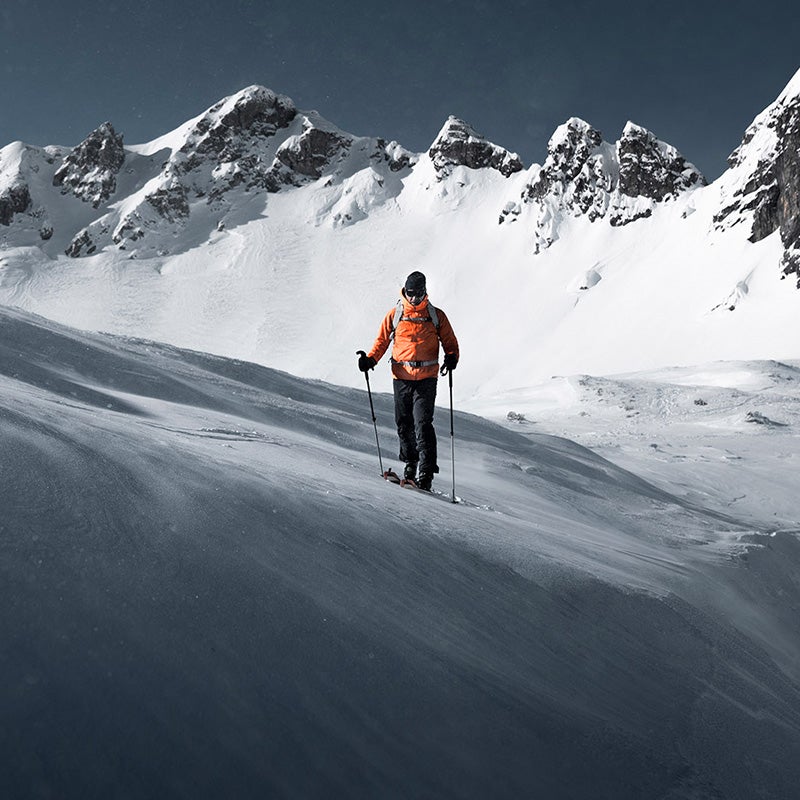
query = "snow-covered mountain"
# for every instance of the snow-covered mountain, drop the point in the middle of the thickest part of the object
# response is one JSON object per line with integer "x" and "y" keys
{"x": 256, "y": 229}
{"x": 585, "y": 176}
{"x": 258, "y": 142}
{"x": 253, "y": 143}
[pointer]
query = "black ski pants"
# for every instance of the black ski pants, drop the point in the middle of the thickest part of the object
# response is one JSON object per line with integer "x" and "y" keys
{"x": 413, "y": 413}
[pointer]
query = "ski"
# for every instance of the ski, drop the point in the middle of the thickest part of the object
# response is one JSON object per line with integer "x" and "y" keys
{"x": 406, "y": 483}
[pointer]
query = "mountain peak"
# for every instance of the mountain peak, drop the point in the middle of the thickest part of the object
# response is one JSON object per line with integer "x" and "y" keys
{"x": 651, "y": 168}
{"x": 253, "y": 113}
{"x": 569, "y": 149}
{"x": 89, "y": 171}
{"x": 761, "y": 188}
{"x": 458, "y": 144}
{"x": 583, "y": 175}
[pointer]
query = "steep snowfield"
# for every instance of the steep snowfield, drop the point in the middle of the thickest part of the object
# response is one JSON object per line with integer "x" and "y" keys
{"x": 208, "y": 591}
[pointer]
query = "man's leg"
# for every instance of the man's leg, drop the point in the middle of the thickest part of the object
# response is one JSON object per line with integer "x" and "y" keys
{"x": 404, "y": 417}
{"x": 424, "y": 402}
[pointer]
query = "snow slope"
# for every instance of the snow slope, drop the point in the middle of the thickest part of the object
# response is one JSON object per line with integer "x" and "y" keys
{"x": 205, "y": 592}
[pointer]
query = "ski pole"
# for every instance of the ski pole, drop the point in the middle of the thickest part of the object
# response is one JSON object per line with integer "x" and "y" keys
{"x": 372, "y": 410}
{"x": 452, "y": 437}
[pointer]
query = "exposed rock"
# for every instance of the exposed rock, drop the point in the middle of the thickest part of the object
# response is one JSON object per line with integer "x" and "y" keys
{"x": 787, "y": 170}
{"x": 585, "y": 176}
{"x": 171, "y": 203}
{"x": 568, "y": 152}
{"x": 230, "y": 146}
{"x": 14, "y": 200}
{"x": 578, "y": 170}
{"x": 234, "y": 131}
{"x": 459, "y": 145}
{"x": 309, "y": 153}
{"x": 89, "y": 171}
{"x": 510, "y": 212}
{"x": 130, "y": 230}
{"x": 763, "y": 188}
{"x": 396, "y": 156}
{"x": 650, "y": 168}
{"x": 81, "y": 244}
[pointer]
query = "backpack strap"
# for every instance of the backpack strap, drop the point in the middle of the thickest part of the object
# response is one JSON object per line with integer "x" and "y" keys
{"x": 433, "y": 317}
{"x": 398, "y": 315}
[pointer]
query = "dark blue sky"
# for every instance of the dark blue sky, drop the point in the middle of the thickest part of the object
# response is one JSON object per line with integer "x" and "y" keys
{"x": 695, "y": 73}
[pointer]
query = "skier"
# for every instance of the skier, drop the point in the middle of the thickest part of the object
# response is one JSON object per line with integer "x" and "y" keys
{"x": 415, "y": 327}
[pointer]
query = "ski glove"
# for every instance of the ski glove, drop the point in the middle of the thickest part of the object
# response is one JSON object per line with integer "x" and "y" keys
{"x": 450, "y": 362}
{"x": 366, "y": 362}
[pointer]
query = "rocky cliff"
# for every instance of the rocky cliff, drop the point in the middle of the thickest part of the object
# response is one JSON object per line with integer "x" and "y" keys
{"x": 583, "y": 175}
{"x": 89, "y": 171}
{"x": 460, "y": 145}
{"x": 762, "y": 188}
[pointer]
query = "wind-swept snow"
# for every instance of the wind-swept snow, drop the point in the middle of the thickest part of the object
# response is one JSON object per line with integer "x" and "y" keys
{"x": 207, "y": 590}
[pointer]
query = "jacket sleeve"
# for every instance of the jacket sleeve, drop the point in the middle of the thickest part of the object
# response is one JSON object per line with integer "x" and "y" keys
{"x": 383, "y": 338}
{"x": 446, "y": 334}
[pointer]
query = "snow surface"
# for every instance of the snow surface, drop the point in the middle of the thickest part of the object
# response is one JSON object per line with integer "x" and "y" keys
{"x": 208, "y": 590}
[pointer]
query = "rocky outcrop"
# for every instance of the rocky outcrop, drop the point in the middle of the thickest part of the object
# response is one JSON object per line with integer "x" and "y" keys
{"x": 651, "y": 168}
{"x": 396, "y": 157}
{"x": 170, "y": 202}
{"x": 308, "y": 154}
{"x": 90, "y": 170}
{"x": 787, "y": 176}
{"x": 585, "y": 176}
{"x": 15, "y": 199}
{"x": 459, "y": 145}
{"x": 762, "y": 189}
{"x": 82, "y": 244}
{"x": 578, "y": 171}
{"x": 227, "y": 146}
{"x": 23, "y": 209}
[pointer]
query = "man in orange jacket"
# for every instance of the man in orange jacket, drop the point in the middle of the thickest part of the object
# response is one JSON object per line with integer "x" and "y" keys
{"x": 415, "y": 327}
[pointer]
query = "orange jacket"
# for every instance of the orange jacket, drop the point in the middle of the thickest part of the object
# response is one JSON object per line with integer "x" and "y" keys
{"x": 414, "y": 341}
